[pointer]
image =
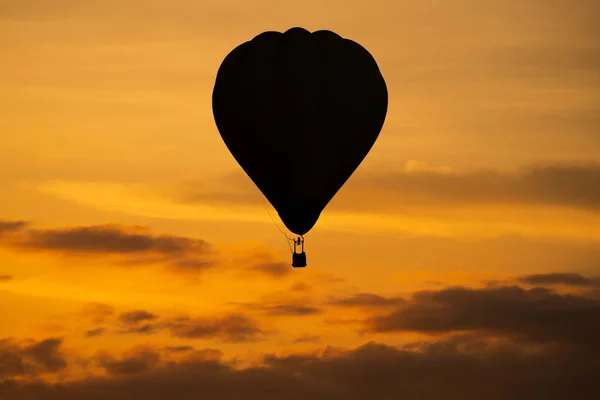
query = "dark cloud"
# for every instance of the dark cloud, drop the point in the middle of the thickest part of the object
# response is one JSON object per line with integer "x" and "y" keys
{"x": 260, "y": 264}
{"x": 295, "y": 310}
{"x": 272, "y": 269}
{"x": 47, "y": 354}
{"x": 206, "y": 354}
{"x": 457, "y": 368}
{"x": 179, "y": 349}
{"x": 134, "y": 245}
{"x": 135, "y": 363}
{"x": 11, "y": 226}
{"x": 110, "y": 239}
{"x": 141, "y": 329}
{"x": 11, "y": 363}
{"x": 95, "y": 332}
{"x": 570, "y": 279}
{"x": 576, "y": 186}
{"x": 137, "y": 316}
{"x": 537, "y": 314}
{"x": 5, "y": 278}
{"x": 138, "y": 322}
{"x": 30, "y": 358}
{"x": 138, "y": 246}
{"x": 308, "y": 339}
{"x": 368, "y": 300}
{"x": 230, "y": 328}
{"x": 464, "y": 368}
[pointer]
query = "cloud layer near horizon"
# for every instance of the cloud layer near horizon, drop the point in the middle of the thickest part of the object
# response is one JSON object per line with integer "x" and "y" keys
{"x": 505, "y": 337}
{"x": 529, "y": 353}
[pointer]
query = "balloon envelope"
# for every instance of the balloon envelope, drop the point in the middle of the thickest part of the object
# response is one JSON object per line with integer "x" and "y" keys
{"x": 299, "y": 111}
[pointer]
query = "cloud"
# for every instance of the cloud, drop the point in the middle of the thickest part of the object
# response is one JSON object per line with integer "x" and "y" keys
{"x": 47, "y": 354}
{"x": 367, "y": 300}
{"x": 272, "y": 269}
{"x": 139, "y": 322}
{"x": 137, "y": 316}
{"x": 135, "y": 362}
{"x": 294, "y": 310}
{"x": 569, "y": 279}
{"x": 95, "y": 332}
{"x": 142, "y": 329}
{"x": 179, "y": 349}
{"x": 280, "y": 304}
{"x": 138, "y": 246}
{"x": 144, "y": 202}
{"x": 109, "y": 239}
{"x": 308, "y": 339}
{"x": 5, "y": 278}
{"x": 575, "y": 186}
{"x": 230, "y": 328}
{"x": 537, "y": 314}
{"x": 257, "y": 261}
{"x": 136, "y": 321}
{"x": 132, "y": 245}
{"x": 464, "y": 367}
{"x": 11, "y": 226}
{"x": 30, "y": 358}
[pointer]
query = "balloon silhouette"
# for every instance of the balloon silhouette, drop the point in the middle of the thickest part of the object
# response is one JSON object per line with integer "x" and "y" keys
{"x": 299, "y": 111}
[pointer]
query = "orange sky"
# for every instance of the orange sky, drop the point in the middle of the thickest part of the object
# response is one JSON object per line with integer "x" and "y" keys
{"x": 140, "y": 229}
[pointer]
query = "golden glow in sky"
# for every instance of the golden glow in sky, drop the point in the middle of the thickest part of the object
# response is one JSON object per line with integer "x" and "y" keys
{"x": 133, "y": 247}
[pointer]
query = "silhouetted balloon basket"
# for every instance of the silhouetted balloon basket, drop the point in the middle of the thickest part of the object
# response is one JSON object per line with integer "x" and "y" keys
{"x": 299, "y": 259}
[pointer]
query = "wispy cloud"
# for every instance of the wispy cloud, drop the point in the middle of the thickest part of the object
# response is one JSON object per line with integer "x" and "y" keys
{"x": 574, "y": 186}
{"x": 417, "y": 183}
{"x": 368, "y": 300}
{"x": 557, "y": 278}
{"x": 385, "y": 201}
{"x": 95, "y": 332}
{"x": 230, "y": 328}
{"x": 11, "y": 226}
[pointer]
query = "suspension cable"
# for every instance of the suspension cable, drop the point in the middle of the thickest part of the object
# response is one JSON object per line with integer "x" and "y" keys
{"x": 280, "y": 229}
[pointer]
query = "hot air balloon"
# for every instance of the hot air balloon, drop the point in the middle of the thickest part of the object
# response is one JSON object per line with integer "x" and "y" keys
{"x": 299, "y": 111}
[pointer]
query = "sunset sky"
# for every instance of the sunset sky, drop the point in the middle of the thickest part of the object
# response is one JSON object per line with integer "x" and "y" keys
{"x": 460, "y": 261}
